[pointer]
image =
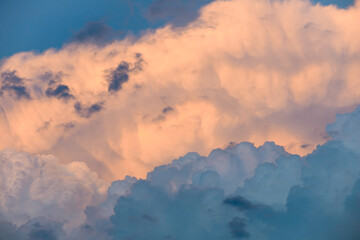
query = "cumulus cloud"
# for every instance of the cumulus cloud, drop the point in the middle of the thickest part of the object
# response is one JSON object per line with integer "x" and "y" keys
{"x": 280, "y": 73}
{"x": 240, "y": 192}
{"x": 287, "y": 197}
{"x": 39, "y": 186}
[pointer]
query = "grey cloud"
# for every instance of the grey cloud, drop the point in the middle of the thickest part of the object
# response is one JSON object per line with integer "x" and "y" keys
{"x": 43, "y": 229}
{"x": 55, "y": 86}
{"x": 14, "y": 85}
{"x": 118, "y": 77}
{"x": 167, "y": 109}
{"x": 240, "y": 203}
{"x": 95, "y": 32}
{"x": 9, "y": 231}
{"x": 159, "y": 118}
{"x": 87, "y": 112}
{"x": 60, "y": 91}
{"x": 237, "y": 227}
{"x": 189, "y": 214}
{"x": 176, "y": 12}
{"x": 220, "y": 197}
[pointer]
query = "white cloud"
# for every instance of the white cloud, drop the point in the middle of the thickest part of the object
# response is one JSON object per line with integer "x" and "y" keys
{"x": 33, "y": 186}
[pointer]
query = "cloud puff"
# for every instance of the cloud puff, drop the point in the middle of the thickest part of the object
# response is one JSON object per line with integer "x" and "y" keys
{"x": 226, "y": 169}
{"x": 38, "y": 186}
{"x": 280, "y": 73}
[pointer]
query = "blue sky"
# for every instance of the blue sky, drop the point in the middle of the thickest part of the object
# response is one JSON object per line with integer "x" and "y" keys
{"x": 40, "y": 24}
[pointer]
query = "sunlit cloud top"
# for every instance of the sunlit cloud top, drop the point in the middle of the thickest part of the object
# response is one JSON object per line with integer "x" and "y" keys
{"x": 243, "y": 71}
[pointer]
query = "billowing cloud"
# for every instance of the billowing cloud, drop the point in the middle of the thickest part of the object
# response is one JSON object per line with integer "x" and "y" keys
{"x": 241, "y": 192}
{"x": 279, "y": 73}
{"x": 39, "y": 186}
{"x": 243, "y": 71}
{"x": 287, "y": 197}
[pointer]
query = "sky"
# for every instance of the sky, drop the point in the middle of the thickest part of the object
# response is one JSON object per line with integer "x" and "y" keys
{"x": 176, "y": 119}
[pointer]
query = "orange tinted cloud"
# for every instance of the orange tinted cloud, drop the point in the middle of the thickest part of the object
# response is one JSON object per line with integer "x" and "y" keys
{"x": 244, "y": 71}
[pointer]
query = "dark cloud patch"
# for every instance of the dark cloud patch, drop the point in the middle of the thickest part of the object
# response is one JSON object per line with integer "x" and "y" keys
{"x": 149, "y": 218}
{"x": 19, "y": 91}
{"x": 118, "y": 77}
{"x": 237, "y": 227}
{"x": 240, "y": 203}
{"x": 231, "y": 144}
{"x": 43, "y": 229}
{"x": 11, "y": 78}
{"x": 8, "y": 231}
{"x": 306, "y": 145}
{"x": 176, "y": 12}
{"x": 45, "y": 126}
{"x": 168, "y": 109}
{"x": 95, "y": 32}
{"x": 13, "y": 85}
{"x": 55, "y": 87}
{"x": 138, "y": 63}
{"x": 68, "y": 125}
{"x": 60, "y": 91}
{"x": 87, "y": 112}
{"x": 42, "y": 234}
{"x": 159, "y": 118}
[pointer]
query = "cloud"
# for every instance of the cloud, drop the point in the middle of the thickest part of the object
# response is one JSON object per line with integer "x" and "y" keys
{"x": 175, "y": 12}
{"x": 43, "y": 229}
{"x": 164, "y": 217}
{"x": 237, "y": 226}
{"x": 14, "y": 85}
{"x": 60, "y": 91}
{"x": 274, "y": 77}
{"x": 280, "y": 74}
{"x": 86, "y": 112}
{"x": 321, "y": 198}
{"x": 95, "y": 32}
{"x": 272, "y": 182}
{"x": 118, "y": 77}
{"x": 226, "y": 169}
{"x": 38, "y": 186}
{"x": 9, "y": 231}
{"x": 241, "y": 192}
